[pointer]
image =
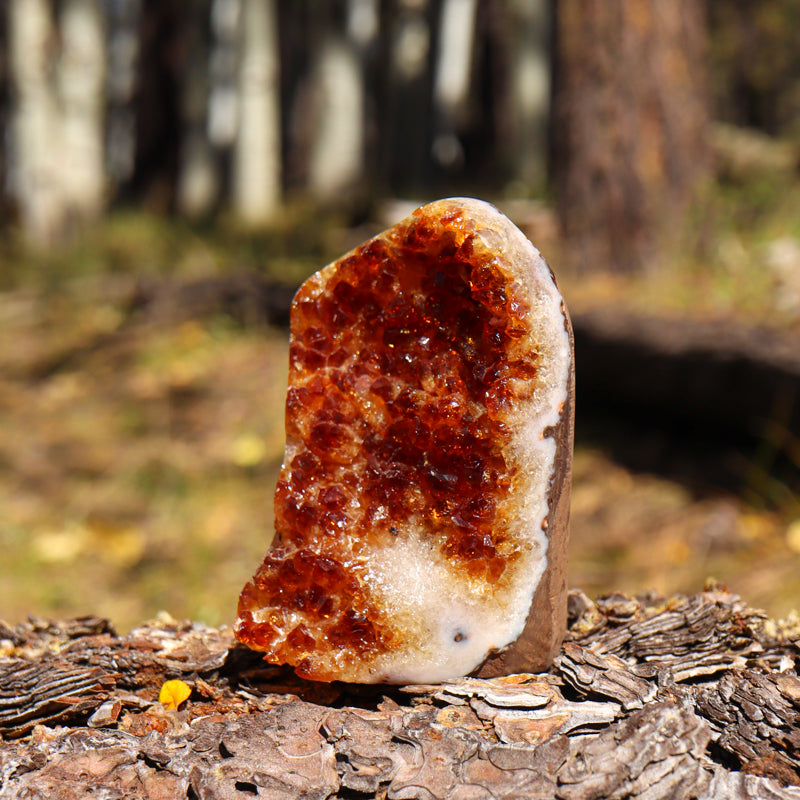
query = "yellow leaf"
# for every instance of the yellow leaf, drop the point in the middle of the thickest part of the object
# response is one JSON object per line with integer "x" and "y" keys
{"x": 248, "y": 450}
{"x": 117, "y": 543}
{"x": 63, "y": 546}
{"x": 173, "y": 693}
{"x": 793, "y": 536}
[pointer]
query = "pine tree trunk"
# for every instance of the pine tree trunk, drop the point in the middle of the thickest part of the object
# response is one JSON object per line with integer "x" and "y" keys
{"x": 257, "y": 151}
{"x": 629, "y": 138}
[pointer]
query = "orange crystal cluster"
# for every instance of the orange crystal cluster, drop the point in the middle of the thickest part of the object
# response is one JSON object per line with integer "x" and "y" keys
{"x": 405, "y": 359}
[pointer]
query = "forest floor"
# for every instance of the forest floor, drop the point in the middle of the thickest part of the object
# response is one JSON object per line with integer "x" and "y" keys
{"x": 138, "y": 454}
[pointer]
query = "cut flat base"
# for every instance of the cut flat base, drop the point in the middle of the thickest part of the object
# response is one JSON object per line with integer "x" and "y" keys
{"x": 422, "y": 508}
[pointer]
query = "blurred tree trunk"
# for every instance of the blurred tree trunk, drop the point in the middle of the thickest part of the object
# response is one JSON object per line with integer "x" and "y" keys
{"x": 122, "y": 26}
{"x": 4, "y": 117}
{"x": 82, "y": 91}
{"x": 629, "y": 138}
{"x": 198, "y": 181}
{"x": 37, "y": 132}
{"x": 452, "y": 81}
{"x": 336, "y": 163}
{"x": 528, "y": 116}
{"x": 161, "y": 72}
{"x": 407, "y": 29}
{"x": 257, "y": 150}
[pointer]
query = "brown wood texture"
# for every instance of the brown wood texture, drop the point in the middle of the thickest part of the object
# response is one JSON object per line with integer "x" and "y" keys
{"x": 688, "y": 696}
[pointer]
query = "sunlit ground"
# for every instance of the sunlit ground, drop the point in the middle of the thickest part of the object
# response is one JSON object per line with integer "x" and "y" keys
{"x": 139, "y": 479}
{"x": 138, "y": 458}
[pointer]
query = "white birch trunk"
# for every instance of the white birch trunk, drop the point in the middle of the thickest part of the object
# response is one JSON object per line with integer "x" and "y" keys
{"x": 257, "y": 150}
{"x": 452, "y": 77}
{"x": 82, "y": 83}
{"x": 337, "y": 144}
{"x": 454, "y": 65}
{"x": 37, "y": 129}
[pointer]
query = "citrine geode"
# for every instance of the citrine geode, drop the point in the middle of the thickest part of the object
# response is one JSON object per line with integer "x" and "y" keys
{"x": 422, "y": 508}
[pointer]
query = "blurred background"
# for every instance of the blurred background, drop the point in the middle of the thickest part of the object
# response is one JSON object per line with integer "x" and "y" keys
{"x": 171, "y": 170}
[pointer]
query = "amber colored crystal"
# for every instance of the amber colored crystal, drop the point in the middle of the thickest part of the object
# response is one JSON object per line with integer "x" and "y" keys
{"x": 406, "y": 358}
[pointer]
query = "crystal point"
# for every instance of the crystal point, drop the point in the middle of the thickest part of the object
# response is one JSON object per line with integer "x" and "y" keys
{"x": 421, "y": 512}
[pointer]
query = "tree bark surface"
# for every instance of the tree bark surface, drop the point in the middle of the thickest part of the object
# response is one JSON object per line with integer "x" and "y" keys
{"x": 629, "y": 129}
{"x": 687, "y": 696}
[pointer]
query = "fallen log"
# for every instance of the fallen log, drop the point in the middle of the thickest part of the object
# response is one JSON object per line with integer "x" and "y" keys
{"x": 718, "y": 389}
{"x": 724, "y": 396}
{"x": 716, "y": 403}
{"x": 687, "y": 696}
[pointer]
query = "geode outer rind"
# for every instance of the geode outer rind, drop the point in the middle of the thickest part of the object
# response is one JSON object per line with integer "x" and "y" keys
{"x": 422, "y": 508}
